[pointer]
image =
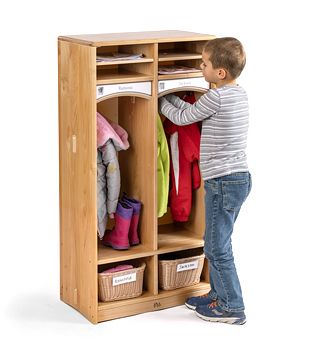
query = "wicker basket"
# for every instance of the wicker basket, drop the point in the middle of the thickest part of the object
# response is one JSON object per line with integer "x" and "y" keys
{"x": 120, "y": 285}
{"x": 174, "y": 274}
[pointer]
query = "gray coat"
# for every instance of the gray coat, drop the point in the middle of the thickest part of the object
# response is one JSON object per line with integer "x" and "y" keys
{"x": 108, "y": 184}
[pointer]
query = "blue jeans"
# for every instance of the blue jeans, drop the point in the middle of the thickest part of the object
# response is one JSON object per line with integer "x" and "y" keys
{"x": 223, "y": 200}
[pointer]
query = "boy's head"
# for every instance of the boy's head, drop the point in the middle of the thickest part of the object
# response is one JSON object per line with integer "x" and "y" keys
{"x": 226, "y": 53}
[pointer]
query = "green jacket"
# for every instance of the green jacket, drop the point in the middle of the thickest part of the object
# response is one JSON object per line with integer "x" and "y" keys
{"x": 163, "y": 169}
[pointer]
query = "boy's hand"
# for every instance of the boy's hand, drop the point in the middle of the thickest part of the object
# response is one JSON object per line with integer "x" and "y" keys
{"x": 162, "y": 100}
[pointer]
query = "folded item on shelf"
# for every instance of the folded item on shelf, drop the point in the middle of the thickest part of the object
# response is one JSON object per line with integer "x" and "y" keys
{"x": 118, "y": 56}
{"x": 176, "y": 69}
{"x": 118, "y": 268}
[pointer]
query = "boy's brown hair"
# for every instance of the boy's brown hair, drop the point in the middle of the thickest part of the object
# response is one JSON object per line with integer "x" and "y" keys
{"x": 227, "y": 53}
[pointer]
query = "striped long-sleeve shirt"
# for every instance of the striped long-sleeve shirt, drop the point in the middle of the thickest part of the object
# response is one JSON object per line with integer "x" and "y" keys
{"x": 225, "y": 119}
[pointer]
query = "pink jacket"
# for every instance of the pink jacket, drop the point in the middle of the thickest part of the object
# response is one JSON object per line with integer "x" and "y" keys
{"x": 107, "y": 129}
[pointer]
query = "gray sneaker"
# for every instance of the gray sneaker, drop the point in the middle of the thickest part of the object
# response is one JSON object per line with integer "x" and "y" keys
{"x": 213, "y": 312}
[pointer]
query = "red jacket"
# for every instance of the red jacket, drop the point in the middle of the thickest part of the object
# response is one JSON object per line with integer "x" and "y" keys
{"x": 184, "y": 144}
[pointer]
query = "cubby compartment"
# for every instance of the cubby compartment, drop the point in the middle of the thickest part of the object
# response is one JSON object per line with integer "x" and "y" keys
{"x": 125, "y": 63}
{"x": 124, "y": 73}
{"x": 180, "y": 269}
{"x": 117, "y": 308}
{"x": 126, "y": 53}
{"x": 124, "y": 282}
{"x": 179, "y": 69}
{"x": 121, "y": 282}
{"x": 172, "y": 235}
{"x": 182, "y": 50}
{"x": 180, "y": 59}
{"x": 133, "y": 114}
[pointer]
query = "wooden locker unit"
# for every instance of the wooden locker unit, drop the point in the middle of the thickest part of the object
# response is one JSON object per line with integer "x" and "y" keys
{"x": 127, "y": 92}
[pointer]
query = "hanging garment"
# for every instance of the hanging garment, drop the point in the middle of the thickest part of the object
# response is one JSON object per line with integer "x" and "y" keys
{"x": 162, "y": 169}
{"x": 110, "y": 138}
{"x": 184, "y": 167}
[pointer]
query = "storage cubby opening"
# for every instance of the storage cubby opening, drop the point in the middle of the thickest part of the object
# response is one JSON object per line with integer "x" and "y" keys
{"x": 180, "y": 50}
{"x": 181, "y": 254}
{"x": 180, "y": 269}
{"x": 176, "y": 236}
{"x": 120, "y": 73}
{"x": 121, "y": 282}
{"x": 179, "y": 69}
{"x": 172, "y": 234}
{"x": 192, "y": 63}
{"x": 125, "y": 63}
{"x": 133, "y": 114}
{"x": 126, "y": 53}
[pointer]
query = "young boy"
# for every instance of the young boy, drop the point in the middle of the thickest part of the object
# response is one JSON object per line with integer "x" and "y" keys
{"x": 223, "y": 163}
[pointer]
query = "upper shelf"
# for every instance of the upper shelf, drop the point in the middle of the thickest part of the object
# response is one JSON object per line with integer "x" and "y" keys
{"x": 195, "y": 74}
{"x": 174, "y": 56}
{"x": 120, "y": 76}
{"x": 120, "y": 62}
{"x": 108, "y": 255}
{"x": 145, "y": 37}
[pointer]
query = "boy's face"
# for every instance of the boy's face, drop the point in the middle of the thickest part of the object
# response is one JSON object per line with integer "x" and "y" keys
{"x": 215, "y": 76}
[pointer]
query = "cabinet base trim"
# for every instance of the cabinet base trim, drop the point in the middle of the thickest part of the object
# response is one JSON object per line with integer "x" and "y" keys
{"x": 164, "y": 300}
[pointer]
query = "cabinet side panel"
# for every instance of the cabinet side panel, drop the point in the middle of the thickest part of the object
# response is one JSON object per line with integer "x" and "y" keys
{"x": 77, "y": 161}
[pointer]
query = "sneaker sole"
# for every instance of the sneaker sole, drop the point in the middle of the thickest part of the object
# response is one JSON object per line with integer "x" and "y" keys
{"x": 191, "y": 307}
{"x": 230, "y": 320}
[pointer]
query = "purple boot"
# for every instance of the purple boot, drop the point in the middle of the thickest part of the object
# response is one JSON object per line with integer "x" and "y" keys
{"x": 118, "y": 237}
{"x": 133, "y": 230}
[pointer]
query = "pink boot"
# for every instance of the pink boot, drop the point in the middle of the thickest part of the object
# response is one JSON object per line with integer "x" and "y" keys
{"x": 133, "y": 230}
{"x": 118, "y": 237}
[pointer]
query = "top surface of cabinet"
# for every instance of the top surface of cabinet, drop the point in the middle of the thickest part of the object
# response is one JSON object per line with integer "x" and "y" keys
{"x": 135, "y": 37}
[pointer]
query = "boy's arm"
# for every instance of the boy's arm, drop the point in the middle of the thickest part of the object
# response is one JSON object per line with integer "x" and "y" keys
{"x": 177, "y": 102}
{"x": 207, "y": 105}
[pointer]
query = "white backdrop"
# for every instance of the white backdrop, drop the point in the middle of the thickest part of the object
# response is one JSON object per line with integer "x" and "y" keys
{"x": 276, "y": 237}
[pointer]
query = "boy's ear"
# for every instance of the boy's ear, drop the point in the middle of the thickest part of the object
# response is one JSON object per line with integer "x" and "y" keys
{"x": 222, "y": 73}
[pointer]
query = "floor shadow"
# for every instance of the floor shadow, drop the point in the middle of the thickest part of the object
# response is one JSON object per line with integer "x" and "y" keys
{"x": 41, "y": 307}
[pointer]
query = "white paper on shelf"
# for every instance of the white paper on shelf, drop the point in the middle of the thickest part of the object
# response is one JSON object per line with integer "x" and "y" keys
{"x": 174, "y": 69}
{"x": 119, "y": 56}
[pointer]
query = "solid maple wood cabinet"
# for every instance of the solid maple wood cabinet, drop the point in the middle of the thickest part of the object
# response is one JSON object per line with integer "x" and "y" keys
{"x": 127, "y": 92}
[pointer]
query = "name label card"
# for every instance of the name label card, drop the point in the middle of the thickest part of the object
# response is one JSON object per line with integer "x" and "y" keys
{"x": 188, "y": 266}
{"x": 198, "y": 82}
{"x": 123, "y": 279}
{"x": 138, "y": 87}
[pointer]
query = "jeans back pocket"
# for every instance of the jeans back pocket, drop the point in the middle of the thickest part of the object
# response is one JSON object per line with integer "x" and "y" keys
{"x": 235, "y": 192}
